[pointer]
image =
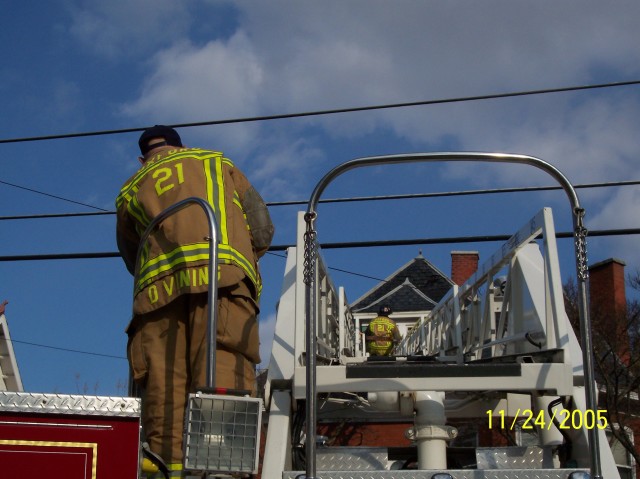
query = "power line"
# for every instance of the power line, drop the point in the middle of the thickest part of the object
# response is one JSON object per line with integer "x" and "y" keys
{"x": 91, "y": 353}
{"x": 524, "y": 189}
{"x": 332, "y": 111}
{"x": 51, "y": 196}
{"x": 368, "y": 198}
{"x": 299, "y": 115}
{"x": 341, "y": 245}
{"x": 284, "y": 247}
{"x": 55, "y": 215}
{"x": 68, "y": 350}
{"x": 324, "y": 246}
{"x": 360, "y": 275}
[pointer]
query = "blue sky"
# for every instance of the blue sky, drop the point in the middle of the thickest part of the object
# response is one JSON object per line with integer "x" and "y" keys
{"x": 77, "y": 66}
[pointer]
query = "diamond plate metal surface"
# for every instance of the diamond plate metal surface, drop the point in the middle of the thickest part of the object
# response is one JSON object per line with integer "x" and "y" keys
{"x": 525, "y": 457}
{"x": 69, "y": 404}
{"x": 428, "y": 474}
{"x": 352, "y": 459}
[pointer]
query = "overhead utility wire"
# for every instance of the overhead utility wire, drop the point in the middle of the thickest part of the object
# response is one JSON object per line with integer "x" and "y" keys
{"x": 331, "y": 112}
{"x": 524, "y": 189}
{"x": 66, "y": 349}
{"x": 341, "y": 245}
{"x": 336, "y": 269}
{"x": 367, "y": 198}
{"x": 52, "y": 196}
{"x": 325, "y": 246}
{"x": 91, "y": 353}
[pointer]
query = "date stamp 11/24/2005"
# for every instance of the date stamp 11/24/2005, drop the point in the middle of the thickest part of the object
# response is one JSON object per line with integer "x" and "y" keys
{"x": 528, "y": 419}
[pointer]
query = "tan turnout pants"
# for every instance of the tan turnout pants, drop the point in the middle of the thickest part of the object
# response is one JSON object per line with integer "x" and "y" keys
{"x": 167, "y": 351}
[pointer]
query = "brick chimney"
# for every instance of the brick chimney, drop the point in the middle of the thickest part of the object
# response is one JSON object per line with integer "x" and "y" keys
{"x": 463, "y": 265}
{"x": 608, "y": 303}
{"x": 607, "y": 286}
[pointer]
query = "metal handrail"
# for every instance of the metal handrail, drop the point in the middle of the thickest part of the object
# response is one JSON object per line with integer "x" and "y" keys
{"x": 579, "y": 232}
{"x": 212, "y": 293}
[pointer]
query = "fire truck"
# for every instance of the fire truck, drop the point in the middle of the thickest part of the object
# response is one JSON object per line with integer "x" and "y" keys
{"x": 498, "y": 350}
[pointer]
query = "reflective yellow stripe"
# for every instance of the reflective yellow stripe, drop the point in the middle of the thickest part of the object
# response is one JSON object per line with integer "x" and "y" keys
{"x": 216, "y": 194}
{"x": 166, "y": 262}
{"x": 131, "y": 188}
{"x": 175, "y": 469}
{"x": 236, "y": 201}
{"x": 232, "y": 256}
{"x": 222, "y": 198}
{"x": 183, "y": 255}
{"x": 213, "y": 164}
{"x": 209, "y": 183}
{"x": 177, "y": 155}
{"x": 138, "y": 212}
{"x": 126, "y": 194}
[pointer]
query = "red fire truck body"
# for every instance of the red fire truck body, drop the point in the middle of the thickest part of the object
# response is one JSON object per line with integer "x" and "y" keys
{"x": 69, "y": 437}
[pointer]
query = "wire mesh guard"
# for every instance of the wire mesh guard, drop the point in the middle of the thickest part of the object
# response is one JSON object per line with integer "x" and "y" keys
{"x": 222, "y": 433}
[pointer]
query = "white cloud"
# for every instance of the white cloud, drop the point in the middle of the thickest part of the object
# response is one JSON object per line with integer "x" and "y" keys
{"x": 296, "y": 56}
{"x": 389, "y": 50}
{"x": 124, "y": 27}
{"x": 290, "y": 56}
{"x": 189, "y": 83}
{"x": 622, "y": 211}
{"x": 283, "y": 170}
{"x": 592, "y": 139}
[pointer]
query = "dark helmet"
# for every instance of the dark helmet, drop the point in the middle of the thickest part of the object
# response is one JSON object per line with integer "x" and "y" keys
{"x": 170, "y": 136}
{"x": 384, "y": 311}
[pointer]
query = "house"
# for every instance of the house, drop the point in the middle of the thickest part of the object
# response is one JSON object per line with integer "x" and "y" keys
{"x": 416, "y": 288}
{"x": 413, "y": 290}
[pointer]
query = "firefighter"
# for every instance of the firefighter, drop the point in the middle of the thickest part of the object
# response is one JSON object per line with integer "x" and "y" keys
{"x": 382, "y": 334}
{"x": 167, "y": 347}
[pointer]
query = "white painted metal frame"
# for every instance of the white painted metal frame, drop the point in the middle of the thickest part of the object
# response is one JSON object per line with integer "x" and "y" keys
{"x": 312, "y": 289}
{"x": 463, "y": 324}
{"x": 9, "y": 373}
{"x": 479, "y": 319}
{"x": 287, "y": 372}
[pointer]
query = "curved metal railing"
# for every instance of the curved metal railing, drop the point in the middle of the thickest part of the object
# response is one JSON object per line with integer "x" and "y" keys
{"x": 213, "y": 277}
{"x": 310, "y": 253}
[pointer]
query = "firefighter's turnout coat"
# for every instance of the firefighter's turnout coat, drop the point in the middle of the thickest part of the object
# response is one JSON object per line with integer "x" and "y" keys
{"x": 174, "y": 261}
{"x": 382, "y": 334}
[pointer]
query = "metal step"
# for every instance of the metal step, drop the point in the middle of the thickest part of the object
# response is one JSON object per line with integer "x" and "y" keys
{"x": 524, "y": 462}
{"x": 455, "y": 474}
{"x": 394, "y": 458}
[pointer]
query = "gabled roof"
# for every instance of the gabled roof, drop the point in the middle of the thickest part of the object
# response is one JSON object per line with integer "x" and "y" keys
{"x": 416, "y": 286}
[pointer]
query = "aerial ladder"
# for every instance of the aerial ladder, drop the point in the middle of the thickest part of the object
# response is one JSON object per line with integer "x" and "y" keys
{"x": 499, "y": 348}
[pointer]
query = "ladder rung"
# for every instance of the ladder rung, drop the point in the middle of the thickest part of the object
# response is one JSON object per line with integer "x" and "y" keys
{"x": 411, "y": 370}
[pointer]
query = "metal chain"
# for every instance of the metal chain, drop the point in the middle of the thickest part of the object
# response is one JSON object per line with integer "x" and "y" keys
{"x": 310, "y": 249}
{"x": 580, "y": 238}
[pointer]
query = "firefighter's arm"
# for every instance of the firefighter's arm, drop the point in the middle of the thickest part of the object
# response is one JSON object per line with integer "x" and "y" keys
{"x": 127, "y": 240}
{"x": 257, "y": 213}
